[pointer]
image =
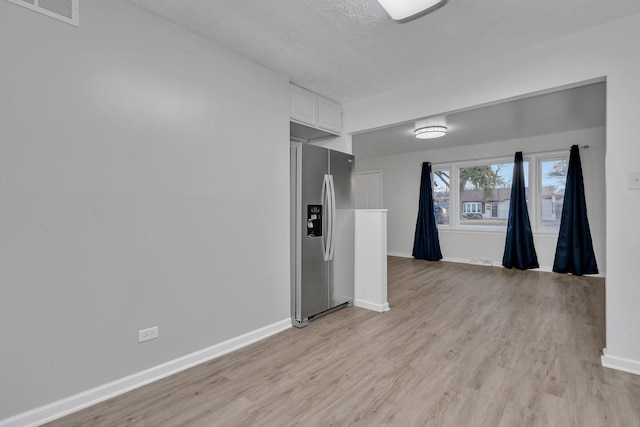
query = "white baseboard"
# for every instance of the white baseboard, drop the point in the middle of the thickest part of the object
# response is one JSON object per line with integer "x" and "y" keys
{"x": 620, "y": 363}
{"x": 371, "y": 305}
{"x": 66, "y": 406}
{"x": 400, "y": 254}
{"x": 545, "y": 269}
{"x": 446, "y": 259}
{"x": 458, "y": 260}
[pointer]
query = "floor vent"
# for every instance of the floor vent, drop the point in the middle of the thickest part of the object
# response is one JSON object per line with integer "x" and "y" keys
{"x": 62, "y": 10}
{"x": 478, "y": 261}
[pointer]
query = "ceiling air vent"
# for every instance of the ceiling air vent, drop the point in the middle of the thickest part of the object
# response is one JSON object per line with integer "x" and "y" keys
{"x": 63, "y": 10}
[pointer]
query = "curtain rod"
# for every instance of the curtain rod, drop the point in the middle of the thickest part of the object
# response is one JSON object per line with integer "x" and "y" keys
{"x": 493, "y": 157}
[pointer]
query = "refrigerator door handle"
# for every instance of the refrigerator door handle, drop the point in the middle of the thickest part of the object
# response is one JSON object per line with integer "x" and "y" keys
{"x": 326, "y": 239}
{"x": 332, "y": 197}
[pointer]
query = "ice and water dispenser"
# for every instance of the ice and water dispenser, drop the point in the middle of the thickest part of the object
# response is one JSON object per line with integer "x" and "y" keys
{"x": 314, "y": 220}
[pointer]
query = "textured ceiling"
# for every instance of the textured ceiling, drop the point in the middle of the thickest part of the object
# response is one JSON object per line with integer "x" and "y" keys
{"x": 349, "y": 49}
{"x": 561, "y": 111}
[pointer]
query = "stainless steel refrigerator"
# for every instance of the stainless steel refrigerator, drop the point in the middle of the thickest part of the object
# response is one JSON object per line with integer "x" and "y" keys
{"x": 322, "y": 231}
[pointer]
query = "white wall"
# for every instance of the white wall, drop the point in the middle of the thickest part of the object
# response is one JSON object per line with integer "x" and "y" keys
{"x": 401, "y": 188}
{"x": 607, "y": 50}
{"x": 341, "y": 143}
{"x": 129, "y": 196}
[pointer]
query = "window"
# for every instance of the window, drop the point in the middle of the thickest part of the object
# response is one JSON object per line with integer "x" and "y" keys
{"x": 477, "y": 194}
{"x": 485, "y": 193}
{"x": 552, "y": 181}
{"x": 471, "y": 207}
{"x": 441, "y": 195}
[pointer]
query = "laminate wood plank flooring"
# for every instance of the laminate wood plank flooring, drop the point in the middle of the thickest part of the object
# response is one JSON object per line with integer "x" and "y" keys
{"x": 463, "y": 345}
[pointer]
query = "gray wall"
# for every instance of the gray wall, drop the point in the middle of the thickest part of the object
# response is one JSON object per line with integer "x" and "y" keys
{"x": 401, "y": 185}
{"x": 129, "y": 194}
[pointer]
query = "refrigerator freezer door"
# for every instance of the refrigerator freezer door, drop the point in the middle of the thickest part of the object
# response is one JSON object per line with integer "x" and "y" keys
{"x": 341, "y": 269}
{"x": 314, "y": 270}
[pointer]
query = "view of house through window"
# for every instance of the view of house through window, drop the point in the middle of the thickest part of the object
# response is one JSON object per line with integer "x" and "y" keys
{"x": 481, "y": 192}
{"x": 553, "y": 177}
{"x": 485, "y": 193}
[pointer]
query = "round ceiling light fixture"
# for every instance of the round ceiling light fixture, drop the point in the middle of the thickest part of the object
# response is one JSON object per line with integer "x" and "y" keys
{"x": 430, "y": 132}
{"x": 407, "y": 10}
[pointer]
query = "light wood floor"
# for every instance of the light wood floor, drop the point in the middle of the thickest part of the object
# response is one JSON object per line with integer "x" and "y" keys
{"x": 462, "y": 345}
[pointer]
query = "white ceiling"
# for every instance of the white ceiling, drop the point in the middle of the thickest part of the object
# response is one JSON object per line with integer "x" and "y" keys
{"x": 349, "y": 49}
{"x": 560, "y": 111}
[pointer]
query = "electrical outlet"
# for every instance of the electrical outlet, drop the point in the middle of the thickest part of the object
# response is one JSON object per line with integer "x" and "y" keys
{"x": 148, "y": 334}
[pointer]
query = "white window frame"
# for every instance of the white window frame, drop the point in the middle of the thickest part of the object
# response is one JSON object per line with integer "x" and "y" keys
{"x": 483, "y": 162}
{"x": 448, "y": 167}
{"x": 533, "y": 203}
{"x": 540, "y": 228}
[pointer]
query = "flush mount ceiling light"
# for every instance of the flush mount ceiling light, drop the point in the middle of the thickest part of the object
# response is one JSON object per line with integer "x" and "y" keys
{"x": 404, "y": 10}
{"x": 429, "y": 132}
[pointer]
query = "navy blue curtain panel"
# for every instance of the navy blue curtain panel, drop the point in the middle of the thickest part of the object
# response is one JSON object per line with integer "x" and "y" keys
{"x": 426, "y": 244}
{"x": 574, "y": 251}
{"x": 519, "y": 251}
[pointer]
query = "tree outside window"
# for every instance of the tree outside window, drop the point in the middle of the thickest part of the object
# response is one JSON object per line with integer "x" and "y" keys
{"x": 485, "y": 193}
{"x": 441, "y": 195}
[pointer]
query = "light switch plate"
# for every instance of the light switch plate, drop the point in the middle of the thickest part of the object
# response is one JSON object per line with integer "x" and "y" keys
{"x": 634, "y": 181}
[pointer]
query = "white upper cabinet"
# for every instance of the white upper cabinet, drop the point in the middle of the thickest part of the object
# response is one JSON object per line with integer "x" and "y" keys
{"x": 314, "y": 110}
{"x": 303, "y": 105}
{"x": 329, "y": 115}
